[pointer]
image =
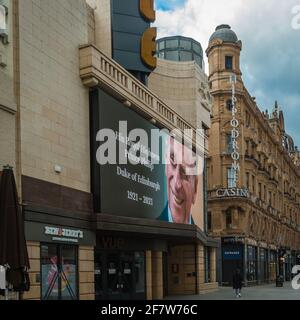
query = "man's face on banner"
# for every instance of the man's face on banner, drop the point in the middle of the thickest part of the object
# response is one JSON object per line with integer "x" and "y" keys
{"x": 182, "y": 184}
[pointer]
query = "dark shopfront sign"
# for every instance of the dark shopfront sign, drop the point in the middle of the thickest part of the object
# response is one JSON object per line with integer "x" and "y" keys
{"x": 232, "y": 258}
{"x": 64, "y": 234}
{"x": 232, "y": 254}
{"x": 58, "y": 234}
{"x": 115, "y": 243}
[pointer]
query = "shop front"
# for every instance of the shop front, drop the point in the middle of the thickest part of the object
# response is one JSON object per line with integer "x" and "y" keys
{"x": 141, "y": 260}
{"x": 59, "y": 272}
{"x": 258, "y": 264}
{"x": 232, "y": 258}
{"x": 58, "y": 259}
{"x": 120, "y": 275}
{"x": 120, "y": 266}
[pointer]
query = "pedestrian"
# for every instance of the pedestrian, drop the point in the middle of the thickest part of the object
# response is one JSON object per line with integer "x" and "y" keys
{"x": 237, "y": 283}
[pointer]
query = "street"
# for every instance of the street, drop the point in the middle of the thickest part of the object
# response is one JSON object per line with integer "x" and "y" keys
{"x": 265, "y": 292}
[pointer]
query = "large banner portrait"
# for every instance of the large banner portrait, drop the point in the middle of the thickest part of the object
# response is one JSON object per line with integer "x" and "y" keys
{"x": 141, "y": 171}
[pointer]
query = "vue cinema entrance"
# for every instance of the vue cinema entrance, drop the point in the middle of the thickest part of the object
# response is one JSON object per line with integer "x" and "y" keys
{"x": 120, "y": 275}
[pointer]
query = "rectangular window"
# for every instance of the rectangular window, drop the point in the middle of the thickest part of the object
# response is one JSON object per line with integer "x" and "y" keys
{"x": 59, "y": 272}
{"x": 259, "y": 191}
{"x": 231, "y": 178}
{"x": 247, "y": 119}
{"x": 185, "y": 44}
{"x": 209, "y": 221}
{"x": 253, "y": 184}
{"x": 198, "y": 60}
{"x": 228, "y": 63}
{"x": 196, "y": 47}
{"x": 185, "y": 56}
{"x": 161, "y": 45}
{"x": 207, "y": 257}
{"x": 270, "y": 198}
{"x": 247, "y": 149}
{"x": 247, "y": 180}
{"x": 229, "y": 143}
{"x": 172, "y": 55}
{"x": 173, "y": 43}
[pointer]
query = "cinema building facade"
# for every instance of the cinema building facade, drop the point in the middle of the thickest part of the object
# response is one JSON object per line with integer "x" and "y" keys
{"x": 71, "y": 69}
{"x": 256, "y": 215}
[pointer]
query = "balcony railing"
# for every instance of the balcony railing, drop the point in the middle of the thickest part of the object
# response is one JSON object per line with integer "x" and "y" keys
{"x": 96, "y": 69}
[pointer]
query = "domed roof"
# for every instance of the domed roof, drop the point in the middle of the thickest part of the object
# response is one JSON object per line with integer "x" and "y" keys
{"x": 224, "y": 32}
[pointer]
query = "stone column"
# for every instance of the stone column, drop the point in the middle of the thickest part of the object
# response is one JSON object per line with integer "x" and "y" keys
{"x": 200, "y": 268}
{"x": 157, "y": 275}
{"x": 213, "y": 265}
{"x": 86, "y": 273}
{"x": 149, "y": 275}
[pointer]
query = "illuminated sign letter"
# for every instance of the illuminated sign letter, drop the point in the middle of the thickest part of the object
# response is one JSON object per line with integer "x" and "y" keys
{"x": 236, "y": 157}
{"x": 147, "y": 9}
{"x": 148, "y": 47}
{"x": 220, "y": 193}
{"x": 235, "y": 134}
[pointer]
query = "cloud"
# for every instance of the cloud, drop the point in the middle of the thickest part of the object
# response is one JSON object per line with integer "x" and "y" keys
{"x": 270, "y": 59}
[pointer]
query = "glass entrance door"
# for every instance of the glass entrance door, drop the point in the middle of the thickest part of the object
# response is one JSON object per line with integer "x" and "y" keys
{"x": 59, "y": 272}
{"x": 119, "y": 275}
{"x": 126, "y": 284}
{"x": 114, "y": 277}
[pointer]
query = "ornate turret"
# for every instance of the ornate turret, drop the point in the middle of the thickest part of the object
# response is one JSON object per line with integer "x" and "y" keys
{"x": 223, "y": 54}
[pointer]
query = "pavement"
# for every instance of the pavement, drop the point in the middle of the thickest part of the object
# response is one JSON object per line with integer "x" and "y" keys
{"x": 263, "y": 292}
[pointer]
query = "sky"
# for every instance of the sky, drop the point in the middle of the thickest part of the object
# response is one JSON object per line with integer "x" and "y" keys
{"x": 270, "y": 33}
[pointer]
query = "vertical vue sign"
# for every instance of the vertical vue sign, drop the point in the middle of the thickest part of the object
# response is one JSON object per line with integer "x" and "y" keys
{"x": 234, "y": 134}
